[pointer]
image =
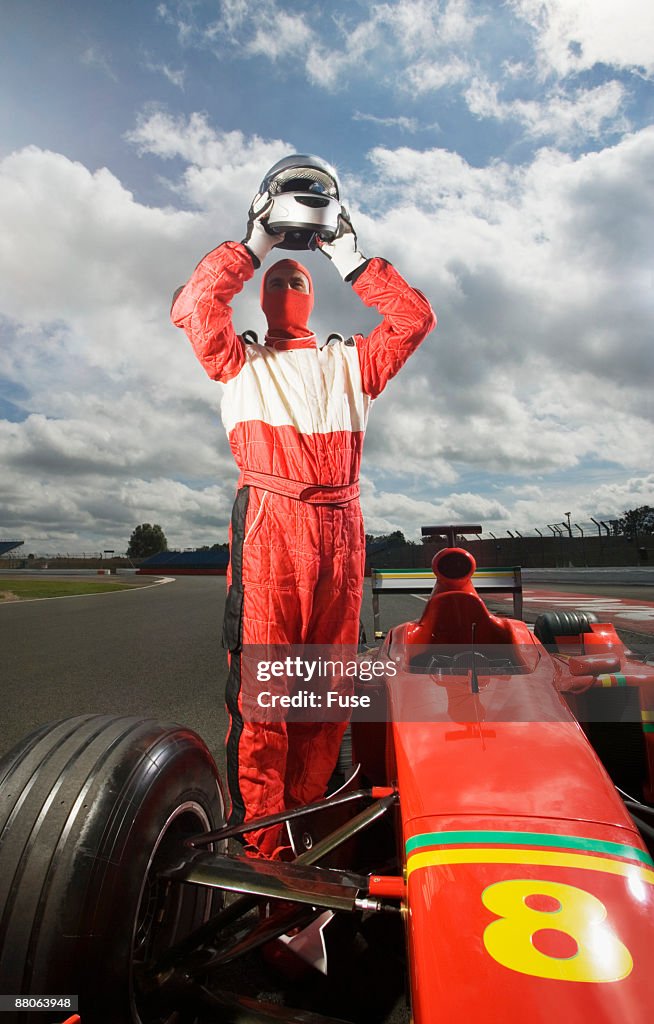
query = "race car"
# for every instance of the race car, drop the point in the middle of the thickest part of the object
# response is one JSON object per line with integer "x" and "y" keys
{"x": 477, "y": 819}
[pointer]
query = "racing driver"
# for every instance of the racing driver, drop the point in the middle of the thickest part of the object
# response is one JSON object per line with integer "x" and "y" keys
{"x": 295, "y": 413}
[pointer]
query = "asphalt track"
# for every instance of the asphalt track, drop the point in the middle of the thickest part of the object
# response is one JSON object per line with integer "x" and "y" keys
{"x": 152, "y": 652}
{"x": 156, "y": 651}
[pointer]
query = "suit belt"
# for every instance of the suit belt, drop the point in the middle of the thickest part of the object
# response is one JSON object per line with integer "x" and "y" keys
{"x": 313, "y": 494}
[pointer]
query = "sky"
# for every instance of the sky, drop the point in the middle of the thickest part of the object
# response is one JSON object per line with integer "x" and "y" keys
{"x": 499, "y": 154}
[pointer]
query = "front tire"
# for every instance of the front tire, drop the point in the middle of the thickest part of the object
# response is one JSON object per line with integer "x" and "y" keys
{"x": 90, "y": 807}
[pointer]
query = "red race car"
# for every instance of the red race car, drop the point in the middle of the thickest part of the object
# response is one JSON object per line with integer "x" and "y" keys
{"x": 499, "y": 817}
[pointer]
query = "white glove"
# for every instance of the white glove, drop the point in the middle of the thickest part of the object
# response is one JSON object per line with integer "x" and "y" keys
{"x": 258, "y": 240}
{"x": 342, "y": 250}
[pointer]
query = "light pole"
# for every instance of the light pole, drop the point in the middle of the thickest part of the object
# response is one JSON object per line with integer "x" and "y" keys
{"x": 556, "y": 532}
{"x": 583, "y": 546}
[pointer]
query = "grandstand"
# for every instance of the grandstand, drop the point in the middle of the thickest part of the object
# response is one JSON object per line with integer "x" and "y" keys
{"x": 8, "y": 558}
{"x": 189, "y": 563}
{"x": 9, "y": 545}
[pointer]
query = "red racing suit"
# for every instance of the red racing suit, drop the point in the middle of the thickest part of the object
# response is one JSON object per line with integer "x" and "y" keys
{"x": 295, "y": 415}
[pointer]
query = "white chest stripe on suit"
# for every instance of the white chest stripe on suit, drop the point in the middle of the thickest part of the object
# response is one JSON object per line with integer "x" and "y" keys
{"x": 316, "y": 391}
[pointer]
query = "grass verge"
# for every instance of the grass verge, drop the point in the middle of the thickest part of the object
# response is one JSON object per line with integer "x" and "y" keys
{"x": 24, "y": 590}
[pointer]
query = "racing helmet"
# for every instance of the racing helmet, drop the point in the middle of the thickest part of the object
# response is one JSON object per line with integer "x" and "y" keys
{"x": 306, "y": 200}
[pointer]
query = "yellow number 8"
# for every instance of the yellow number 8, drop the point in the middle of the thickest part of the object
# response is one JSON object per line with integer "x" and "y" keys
{"x": 599, "y": 956}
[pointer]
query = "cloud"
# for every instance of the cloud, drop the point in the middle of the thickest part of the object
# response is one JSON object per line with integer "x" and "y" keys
{"x": 532, "y": 509}
{"x": 541, "y": 276}
{"x": 416, "y": 44}
{"x": 525, "y": 507}
{"x": 614, "y": 499}
{"x": 224, "y": 169}
{"x": 422, "y": 46}
{"x": 426, "y": 75}
{"x": 175, "y": 77}
{"x": 493, "y": 57}
{"x": 574, "y": 37}
{"x": 405, "y": 124}
{"x": 94, "y": 58}
{"x": 385, "y": 511}
{"x": 279, "y": 35}
{"x": 589, "y": 113}
{"x": 387, "y": 41}
{"x": 418, "y": 26}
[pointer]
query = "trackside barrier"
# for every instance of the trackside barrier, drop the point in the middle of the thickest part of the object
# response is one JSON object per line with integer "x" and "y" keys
{"x": 499, "y": 580}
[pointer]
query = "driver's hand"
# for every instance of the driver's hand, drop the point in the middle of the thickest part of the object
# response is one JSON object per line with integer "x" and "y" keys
{"x": 342, "y": 250}
{"x": 258, "y": 240}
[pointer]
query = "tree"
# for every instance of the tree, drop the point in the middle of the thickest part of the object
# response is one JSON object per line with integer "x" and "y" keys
{"x": 637, "y": 521}
{"x": 396, "y": 539}
{"x": 147, "y": 540}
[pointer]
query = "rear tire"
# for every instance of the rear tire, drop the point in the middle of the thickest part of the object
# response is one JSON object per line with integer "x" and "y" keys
{"x": 90, "y": 808}
{"x": 549, "y": 625}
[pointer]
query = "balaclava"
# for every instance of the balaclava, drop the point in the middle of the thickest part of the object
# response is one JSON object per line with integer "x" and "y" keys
{"x": 287, "y": 310}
